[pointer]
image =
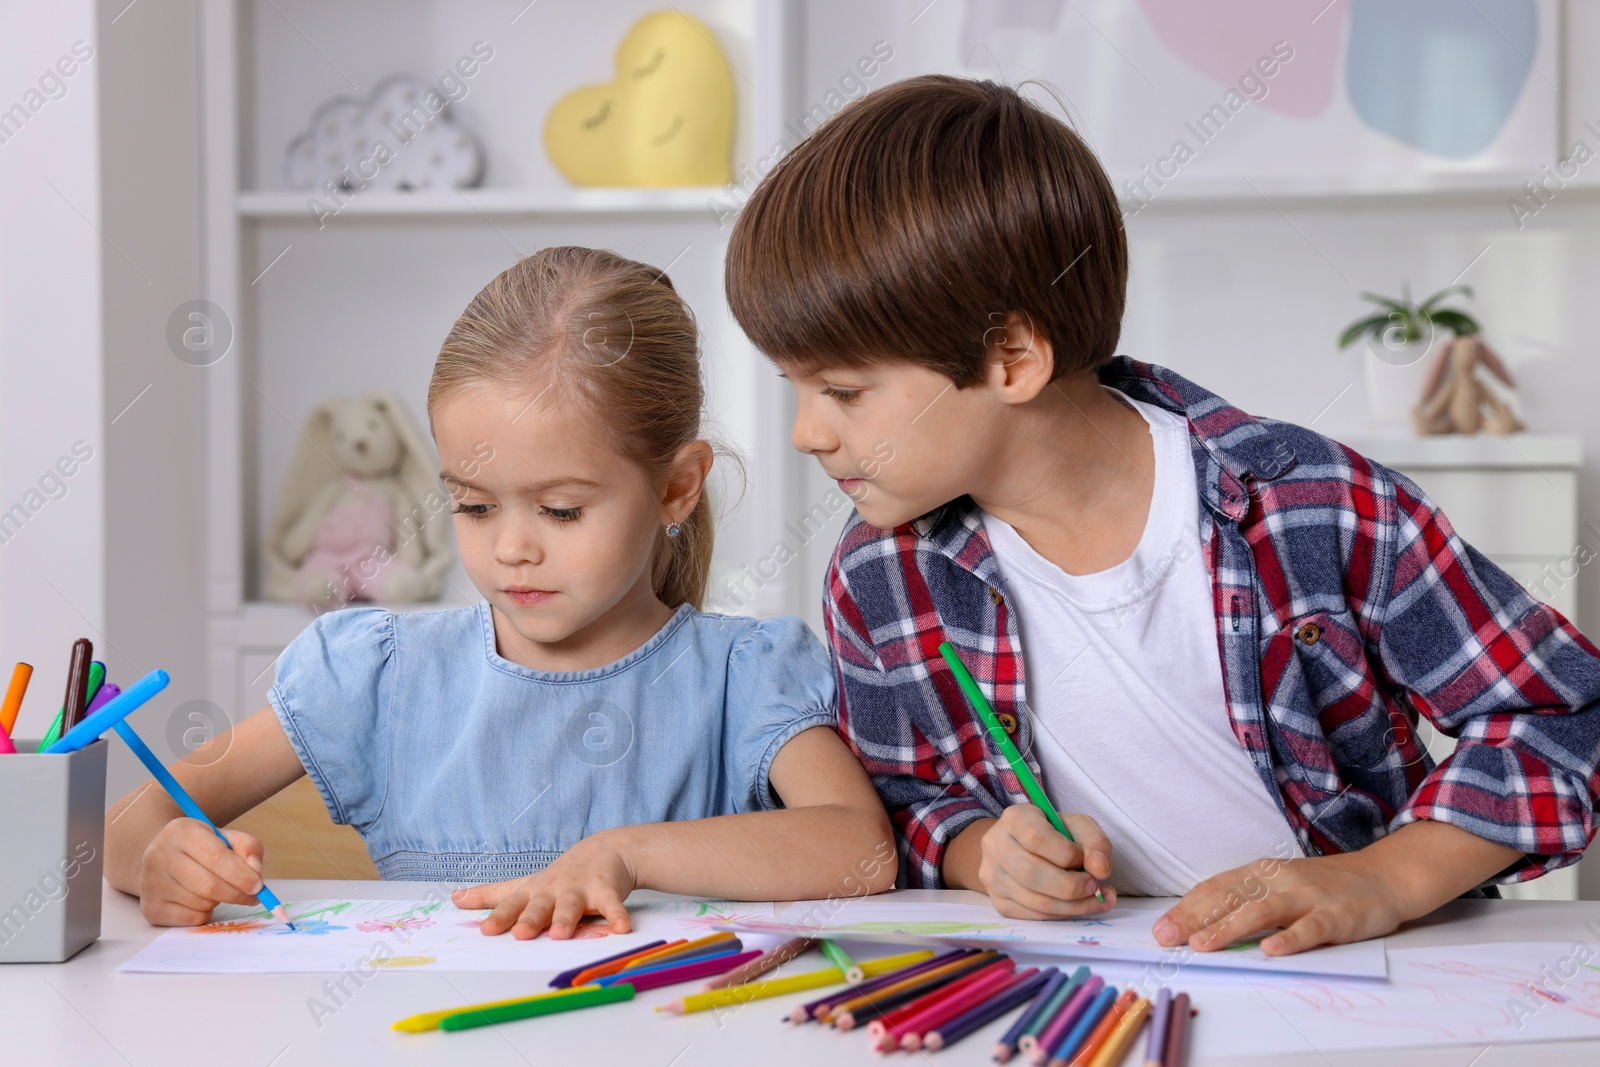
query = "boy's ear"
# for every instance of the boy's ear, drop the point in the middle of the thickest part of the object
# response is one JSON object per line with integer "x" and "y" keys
{"x": 687, "y": 480}
{"x": 1018, "y": 359}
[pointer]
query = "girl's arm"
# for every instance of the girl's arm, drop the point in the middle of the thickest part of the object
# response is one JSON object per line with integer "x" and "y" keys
{"x": 176, "y": 866}
{"x": 832, "y": 838}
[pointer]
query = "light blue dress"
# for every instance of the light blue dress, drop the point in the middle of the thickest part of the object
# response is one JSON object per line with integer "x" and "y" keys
{"x": 456, "y": 764}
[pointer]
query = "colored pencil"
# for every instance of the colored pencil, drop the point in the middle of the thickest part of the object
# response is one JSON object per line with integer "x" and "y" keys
{"x": 688, "y": 972}
{"x": 97, "y": 675}
{"x": 542, "y": 1004}
{"x": 429, "y": 1020}
{"x": 179, "y": 795}
{"x": 745, "y": 992}
{"x": 1102, "y": 1030}
{"x": 1028, "y": 1037}
{"x": 1177, "y": 1032}
{"x": 698, "y": 947}
{"x": 1121, "y": 1038}
{"x": 958, "y": 1003}
{"x": 564, "y": 979}
{"x": 613, "y": 964}
{"x": 893, "y": 1020}
{"x": 813, "y": 1009}
{"x": 1019, "y": 993}
{"x": 1065, "y": 1018}
{"x": 673, "y": 963}
{"x": 844, "y": 1016}
{"x": 1074, "y": 1038}
{"x": 1158, "y": 1028}
{"x": 77, "y": 696}
{"x": 1054, "y": 979}
{"x": 770, "y": 962}
{"x": 110, "y": 713}
{"x": 1003, "y": 742}
{"x": 20, "y": 675}
{"x": 776, "y": 987}
{"x": 841, "y": 959}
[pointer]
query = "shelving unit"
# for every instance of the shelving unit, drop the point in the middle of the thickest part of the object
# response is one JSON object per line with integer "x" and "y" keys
{"x": 331, "y": 306}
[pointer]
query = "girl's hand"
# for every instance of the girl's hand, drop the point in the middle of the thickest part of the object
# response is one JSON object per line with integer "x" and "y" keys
{"x": 1030, "y": 870}
{"x": 591, "y": 877}
{"x": 186, "y": 872}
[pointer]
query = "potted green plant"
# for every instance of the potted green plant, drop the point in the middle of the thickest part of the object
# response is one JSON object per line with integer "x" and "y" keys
{"x": 1398, "y": 335}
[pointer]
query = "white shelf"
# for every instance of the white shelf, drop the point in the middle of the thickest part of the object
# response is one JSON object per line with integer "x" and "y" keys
{"x": 682, "y": 201}
{"x": 1182, "y": 192}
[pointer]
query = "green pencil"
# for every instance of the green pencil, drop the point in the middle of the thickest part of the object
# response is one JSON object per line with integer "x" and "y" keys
{"x": 541, "y": 1004}
{"x": 841, "y": 959}
{"x": 1003, "y": 742}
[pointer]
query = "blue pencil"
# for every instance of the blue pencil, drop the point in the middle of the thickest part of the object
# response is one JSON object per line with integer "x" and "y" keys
{"x": 111, "y": 713}
{"x": 1080, "y": 1032}
{"x": 181, "y": 797}
{"x": 1006, "y": 1047}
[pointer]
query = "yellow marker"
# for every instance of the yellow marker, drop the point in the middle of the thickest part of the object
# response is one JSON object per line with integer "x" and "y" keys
{"x": 429, "y": 1020}
{"x": 777, "y": 987}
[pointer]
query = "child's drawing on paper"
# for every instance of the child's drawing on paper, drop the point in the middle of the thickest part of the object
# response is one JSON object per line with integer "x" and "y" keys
{"x": 414, "y": 936}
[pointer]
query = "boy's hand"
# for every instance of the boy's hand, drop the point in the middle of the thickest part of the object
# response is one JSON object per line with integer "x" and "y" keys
{"x": 591, "y": 877}
{"x": 186, "y": 872}
{"x": 1030, "y": 870}
{"x": 1319, "y": 900}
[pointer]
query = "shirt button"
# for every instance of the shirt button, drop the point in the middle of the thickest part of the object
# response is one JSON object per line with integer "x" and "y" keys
{"x": 1310, "y": 633}
{"x": 1009, "y": 721}
{"x": 994, "y": 595}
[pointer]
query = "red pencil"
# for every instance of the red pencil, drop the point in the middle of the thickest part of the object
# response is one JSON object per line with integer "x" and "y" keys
{"x": 890, "y": 1024}
{"x": 913, "y": 1031}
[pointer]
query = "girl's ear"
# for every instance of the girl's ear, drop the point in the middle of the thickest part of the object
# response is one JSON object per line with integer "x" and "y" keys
{"x": 1018, "y": 359}
{"x": 686, "y": 480}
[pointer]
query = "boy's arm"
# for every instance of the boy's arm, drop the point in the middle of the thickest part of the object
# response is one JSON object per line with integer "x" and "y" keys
{"x": 1519, "y": 687}
{"x": 176, "y": 866}
{"x": 830, "y": 839}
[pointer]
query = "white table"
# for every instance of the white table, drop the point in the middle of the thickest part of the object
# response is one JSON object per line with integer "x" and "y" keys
{"x": 84, "y": 1013}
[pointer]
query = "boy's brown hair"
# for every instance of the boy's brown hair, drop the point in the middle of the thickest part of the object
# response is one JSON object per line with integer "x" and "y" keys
{"x": 907, "y": 226}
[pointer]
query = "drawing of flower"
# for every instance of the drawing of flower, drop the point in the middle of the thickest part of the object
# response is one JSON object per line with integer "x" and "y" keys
{"x": 379, "y": 926}
{"x": 232, "y": 926}
{"x": 311, "y": 927}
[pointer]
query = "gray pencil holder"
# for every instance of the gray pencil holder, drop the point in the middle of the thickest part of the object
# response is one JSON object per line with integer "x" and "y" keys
{"x": 52, "y": 836}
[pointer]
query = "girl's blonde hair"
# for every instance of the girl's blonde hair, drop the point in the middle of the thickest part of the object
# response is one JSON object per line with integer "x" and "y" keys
{"x": 619, "y": 333}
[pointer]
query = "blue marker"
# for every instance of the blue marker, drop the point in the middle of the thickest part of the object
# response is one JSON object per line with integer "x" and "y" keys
{"x": 1080, "y": 1032}
{"x": 111, "y": 713}
{"x": 666, "y": 965}
{"x": 184, "y": 801}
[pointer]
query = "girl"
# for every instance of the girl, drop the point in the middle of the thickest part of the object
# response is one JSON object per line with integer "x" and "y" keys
{"x": 584, "y": 730}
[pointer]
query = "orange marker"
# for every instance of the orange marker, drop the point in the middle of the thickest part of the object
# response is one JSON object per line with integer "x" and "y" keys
{"x": 19, "y": 685}
{"x": 1102, "y": 1032}
{"x": 677, "y": 948}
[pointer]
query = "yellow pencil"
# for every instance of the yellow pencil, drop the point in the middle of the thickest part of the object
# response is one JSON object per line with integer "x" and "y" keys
{"x": 777, "y": 987}
{"x": 429, "y": 1020}
{"x": 1127, "y": 1029}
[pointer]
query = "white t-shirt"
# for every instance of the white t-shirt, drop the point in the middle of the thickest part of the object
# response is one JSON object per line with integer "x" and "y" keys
{"x": 1124, "y": 681}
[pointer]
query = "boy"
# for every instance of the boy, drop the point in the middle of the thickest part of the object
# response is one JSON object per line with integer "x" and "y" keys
{"x": 1211, "y": 634}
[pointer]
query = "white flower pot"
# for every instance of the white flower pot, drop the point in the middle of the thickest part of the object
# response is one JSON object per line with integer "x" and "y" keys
{"x": 1394, "y": 376}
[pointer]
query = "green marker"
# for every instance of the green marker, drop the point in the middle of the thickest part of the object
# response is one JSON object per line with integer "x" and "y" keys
{"x": 839, "y": 958}
{"x": 540, "y": 1004}
{"x": 1003, "y": 742}
{"x": 97, "y": 675}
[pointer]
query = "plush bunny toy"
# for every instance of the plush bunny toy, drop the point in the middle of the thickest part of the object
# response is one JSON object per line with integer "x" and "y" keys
{"x": 361, "y": 516}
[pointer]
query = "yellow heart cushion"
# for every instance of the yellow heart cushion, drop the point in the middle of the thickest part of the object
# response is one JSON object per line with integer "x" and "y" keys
{"x": 667, "y": 119}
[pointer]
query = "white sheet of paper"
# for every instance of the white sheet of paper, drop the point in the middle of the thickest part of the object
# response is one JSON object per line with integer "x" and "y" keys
{"x": 1120, "y": 934}
{"x": 415, "y": 935}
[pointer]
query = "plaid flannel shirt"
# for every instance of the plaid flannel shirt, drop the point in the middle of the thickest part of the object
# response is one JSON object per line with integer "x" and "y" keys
{"x": 1346, "y": 606}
